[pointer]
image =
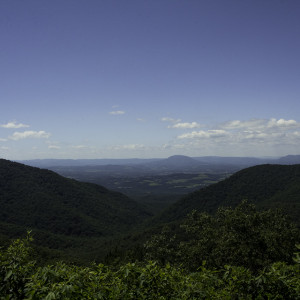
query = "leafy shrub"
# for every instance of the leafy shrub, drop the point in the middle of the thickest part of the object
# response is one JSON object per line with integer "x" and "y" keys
{"x": 15, "y": 269}
{"x": 242, "y": 237}
{"x": 22, "y": 279}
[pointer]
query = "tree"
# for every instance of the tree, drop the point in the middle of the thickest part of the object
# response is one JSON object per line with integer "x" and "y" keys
{"x": 242, "y": 237}
{"x": 21, "y": 279}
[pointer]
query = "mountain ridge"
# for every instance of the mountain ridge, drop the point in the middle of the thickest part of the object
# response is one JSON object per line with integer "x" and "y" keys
{"x": 44, "y": 200}
{"x": 265, "y": 185}
{"x": 172, "y": 160}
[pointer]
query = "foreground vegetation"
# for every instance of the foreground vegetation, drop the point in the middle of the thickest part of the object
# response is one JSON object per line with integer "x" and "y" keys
{"x": 20, "y": 278}
{"x": 239, "y": 253}
{"x": 242, "y": 236}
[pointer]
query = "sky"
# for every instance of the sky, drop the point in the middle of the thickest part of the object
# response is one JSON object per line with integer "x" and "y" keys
{"x": 149, "y": 79}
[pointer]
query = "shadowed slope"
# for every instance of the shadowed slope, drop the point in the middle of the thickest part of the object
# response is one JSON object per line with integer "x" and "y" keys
{"x": 267, "y": 186}
{"x": 43, "y": 200}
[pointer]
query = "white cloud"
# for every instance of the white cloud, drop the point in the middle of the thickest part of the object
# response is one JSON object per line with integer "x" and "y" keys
{"x": 13, "y": 125}
{"x": 117, "y": 112}
{"x": 171, "y": 120}
{"x": 29, "y": 134}
{"x": 185, "y": 125}
{"x": 282, "y": 123}
{"x": 4, "y": 148}
{"x": 260, "y": 124}
{"x": 254, "y": 137}
{"x": 252, "y": 124}
{"x": 203, "y": 134}
{"x": 3, "y": 140}
{"x": 176, "y": 123}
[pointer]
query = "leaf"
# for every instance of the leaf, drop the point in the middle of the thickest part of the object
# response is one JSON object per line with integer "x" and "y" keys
{"x": 50, "y": 296}
{"x": 9, "y": 273}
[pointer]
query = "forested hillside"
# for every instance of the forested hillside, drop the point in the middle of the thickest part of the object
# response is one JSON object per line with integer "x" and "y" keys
{"x": 267, "y": 186}
{"x": 59, "y": 210}
{"x": 195, "y": 249}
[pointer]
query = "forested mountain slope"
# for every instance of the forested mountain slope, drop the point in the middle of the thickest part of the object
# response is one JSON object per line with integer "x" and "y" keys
{"x": 43, "y": 200}
{"x": 267, "y": 186}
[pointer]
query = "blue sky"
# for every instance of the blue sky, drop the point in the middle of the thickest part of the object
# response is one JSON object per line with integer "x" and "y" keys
{"x": 124, "y": 79}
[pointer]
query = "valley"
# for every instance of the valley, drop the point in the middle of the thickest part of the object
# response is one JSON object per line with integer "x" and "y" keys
{"x": 179, "y": 215}
{"x": 156, "y": 183}
{"x": 155, "y": 191}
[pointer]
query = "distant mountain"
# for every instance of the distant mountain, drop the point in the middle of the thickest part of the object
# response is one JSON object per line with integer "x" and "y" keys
{"x": 234, "y": 161}
{"x": 249, "y": 161}
{"x": 176, "y": 163}
{"x": 45, "y": 201}
{"x": 289, "y": 160}
{"x": 49, "y": 163}
{"x": 267, "y": 186}
{"x": 186, "y": 164}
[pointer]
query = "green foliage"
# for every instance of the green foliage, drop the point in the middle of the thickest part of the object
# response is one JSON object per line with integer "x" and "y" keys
{"x": 242, "y": 236}
{"x": 21, "y": 279}
{"x": 297, "y": 255}
{"x": 15, "y": 268}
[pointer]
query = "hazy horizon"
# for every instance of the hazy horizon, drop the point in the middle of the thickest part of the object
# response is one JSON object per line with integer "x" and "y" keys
{"x": 149, "y": 79}
{"x": 158, "y": 158}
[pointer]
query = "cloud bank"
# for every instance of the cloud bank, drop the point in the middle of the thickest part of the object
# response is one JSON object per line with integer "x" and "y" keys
{"x": 29, "y": 134}
{"x": 256, "y": 136}
{"x": 14, "y": 125}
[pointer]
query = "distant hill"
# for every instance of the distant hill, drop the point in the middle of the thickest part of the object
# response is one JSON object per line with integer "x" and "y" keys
{"x": 176, "y": 163}
{"x": 249, "y": 161}
{"x": 133, "y": 167}
{"x": 49, "y": 163}
{"x": 234, "y": 161}
{"x": 45, "y": 201}
{"x": 267, "y": 186}
{"x": 289, "y": 160}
